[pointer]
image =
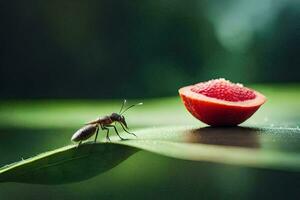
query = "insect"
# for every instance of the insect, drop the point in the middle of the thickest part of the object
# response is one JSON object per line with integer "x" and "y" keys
{"x": 104, "y": 123}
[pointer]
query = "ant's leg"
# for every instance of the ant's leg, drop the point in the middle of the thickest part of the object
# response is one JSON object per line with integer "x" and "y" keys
{"x": 79, "y": 143}
{"x": 115, "y": 130}
{"x": 96, "y": 134}
{"x": 107, "y": 136}
{"x": 126, "y": 130}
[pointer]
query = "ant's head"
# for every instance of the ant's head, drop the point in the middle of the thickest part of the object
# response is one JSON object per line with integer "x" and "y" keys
{"x": 119, "y": 117}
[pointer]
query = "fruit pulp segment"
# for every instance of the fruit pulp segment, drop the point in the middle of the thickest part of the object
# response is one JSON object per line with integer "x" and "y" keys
{"x": 224, "y": 90}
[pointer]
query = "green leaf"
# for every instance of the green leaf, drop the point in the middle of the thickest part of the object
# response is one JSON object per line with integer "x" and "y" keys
{"x": 67, "y": 164}
{"x": 251, "y": 147}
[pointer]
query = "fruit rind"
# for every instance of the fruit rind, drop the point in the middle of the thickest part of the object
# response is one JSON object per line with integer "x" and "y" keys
{"x": 216, "y": 112}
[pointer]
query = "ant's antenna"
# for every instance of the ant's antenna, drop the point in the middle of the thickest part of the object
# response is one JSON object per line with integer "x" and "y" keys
{"x": 138, "y": 104}
{"x": 124, "y": 102}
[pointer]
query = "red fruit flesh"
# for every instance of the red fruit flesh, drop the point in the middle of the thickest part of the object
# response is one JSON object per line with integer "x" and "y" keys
{"x": 221, "y": 103}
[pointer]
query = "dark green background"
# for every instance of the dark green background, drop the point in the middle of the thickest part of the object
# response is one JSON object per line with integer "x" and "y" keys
{"x": 121, "y": 49}
{"x": 96, "y": 50}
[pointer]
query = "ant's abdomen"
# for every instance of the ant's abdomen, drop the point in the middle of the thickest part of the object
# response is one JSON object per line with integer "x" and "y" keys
{"x": 84, "y": 133}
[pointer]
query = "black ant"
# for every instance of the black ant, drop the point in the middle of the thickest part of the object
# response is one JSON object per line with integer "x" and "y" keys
{"x": 104, "y": 123}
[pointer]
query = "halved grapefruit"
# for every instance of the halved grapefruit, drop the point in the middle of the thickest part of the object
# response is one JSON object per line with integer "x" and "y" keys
{"x": 219, "y": 102}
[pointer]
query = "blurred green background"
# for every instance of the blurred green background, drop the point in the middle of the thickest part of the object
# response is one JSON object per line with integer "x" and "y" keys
{"x": 96, "y": 50}
{"x": 122, "y": 49}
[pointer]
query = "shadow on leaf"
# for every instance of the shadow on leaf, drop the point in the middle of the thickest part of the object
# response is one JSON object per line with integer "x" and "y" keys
{"x": 68, "y": 164}
{"x": 226, "y": 136}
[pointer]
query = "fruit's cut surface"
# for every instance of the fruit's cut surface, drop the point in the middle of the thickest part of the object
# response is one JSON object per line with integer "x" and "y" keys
{"x": 219, "y": 102}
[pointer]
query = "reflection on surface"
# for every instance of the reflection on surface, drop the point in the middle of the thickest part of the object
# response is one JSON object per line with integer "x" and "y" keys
{"x": 228, "y": 136}
{"x": 70, "y": 165}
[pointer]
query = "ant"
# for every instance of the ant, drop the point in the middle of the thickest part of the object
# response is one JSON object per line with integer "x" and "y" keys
{"x": 104, "y": 123}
